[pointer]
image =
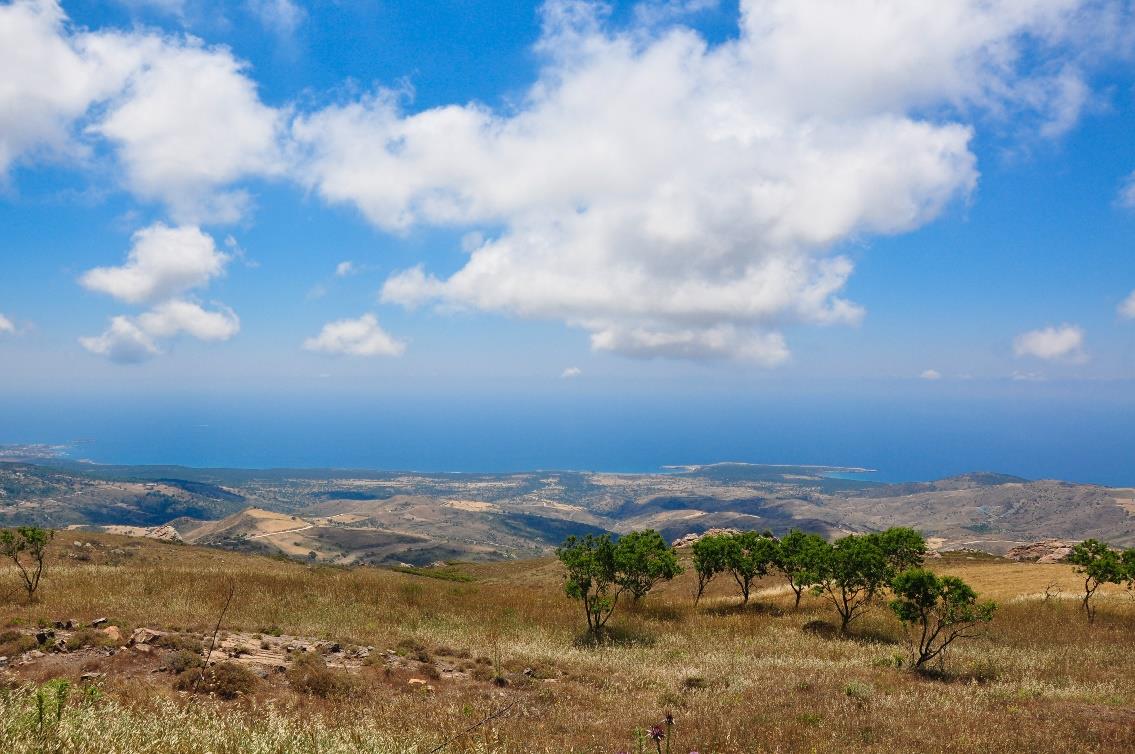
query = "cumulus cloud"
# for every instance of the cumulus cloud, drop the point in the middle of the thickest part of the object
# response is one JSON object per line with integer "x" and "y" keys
{"x": 52, "y": 78}
{"x": 1065, "y": 342}
{"x": 6, "y": 325}
{"x": 123, "y": 342}
{"x": 931, "y": 374}
{"x": 185, "y": 120}
{"x": 570, "y": 373}
{"x": 683, "y": 200}
{"x": 176, "y": 317}
{"x": 189, "y": 123}
{"x": 343, "y": 269}
{"x": 1127, "y": 308}
{"x": 355, "y": 337}
{"x": 131, "y": 340}
{"x": 162, "y": 262}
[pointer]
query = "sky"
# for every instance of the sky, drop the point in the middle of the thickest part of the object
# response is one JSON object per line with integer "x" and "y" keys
{"x": 847, "y": 198}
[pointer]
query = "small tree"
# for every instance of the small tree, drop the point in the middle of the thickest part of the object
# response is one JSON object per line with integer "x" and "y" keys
{"x": 936, "y": 611}
{"x": 748, "y": 556}
{"x": 799, "y": 558}
{"x": 709, "y": 560}
{"x": 852, "y": 572}
{"x": 1128, "y": 559}
{"x": 1098, "y": 564}
{"x": 902, "y": 547}
{"x": 590, "y": 564}
{"x": 642, "y": 559}
{"x": 26, "y": 546}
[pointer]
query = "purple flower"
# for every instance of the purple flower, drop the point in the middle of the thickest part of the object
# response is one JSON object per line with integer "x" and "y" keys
{"x": 656, "y": 733}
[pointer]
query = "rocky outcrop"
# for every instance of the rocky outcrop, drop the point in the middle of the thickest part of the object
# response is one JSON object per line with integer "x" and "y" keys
{"x": 1048, "y": 551}
{"x": 689, "y": 539}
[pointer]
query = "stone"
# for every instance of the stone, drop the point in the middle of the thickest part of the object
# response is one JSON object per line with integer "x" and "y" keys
{"x": 90, "y": 677}
{"x": 97, "y": 622}
{"x": 142, "y": 636}
{"x": 113, "y": 633}
{"x": 43, "y": 635}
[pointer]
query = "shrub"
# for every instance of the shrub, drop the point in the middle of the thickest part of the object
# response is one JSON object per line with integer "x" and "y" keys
{"x": 309, "y": 674}
{"x": 748, "y": 556}
{"x": 590, "y": 564}
{"x": 26, "y": 547}
{"x": 1098, "y": 564}
{"x": 180, "y": 641}
{"x": 936, "y": 612}
{"x": 799, "y": 557}
{"x": 852, "y": 572}
{"x": 642, "y": 559}
{"x": 709, "y": 560}
{"x": 181, "y": 660}
{"x": 226, "y": 680}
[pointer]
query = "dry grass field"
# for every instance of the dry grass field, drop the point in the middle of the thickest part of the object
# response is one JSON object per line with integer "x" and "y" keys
{"x": 762, "y": 679}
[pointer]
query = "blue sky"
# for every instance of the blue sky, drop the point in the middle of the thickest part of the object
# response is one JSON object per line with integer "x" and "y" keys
{"x": 697, "y": 195}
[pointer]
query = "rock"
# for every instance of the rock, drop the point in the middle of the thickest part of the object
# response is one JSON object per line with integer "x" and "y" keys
{"x": 334, "y": 648}
{"x": 43, "y": 635}
{"x": 60, "y": 645}
{"x": 1047, "y": 551}
{"x": 165, "y": 533}
{"x": 689, "y": 539}
{"x": 90, "y": 677}
{"x": 529, "y": 672}
{"x": 143, "y": 636}
{"x": 69, "y": 625}
{"x": 97, "y": 622}
{"x": 417, "y": 682}
{"x": 113, "y": 633}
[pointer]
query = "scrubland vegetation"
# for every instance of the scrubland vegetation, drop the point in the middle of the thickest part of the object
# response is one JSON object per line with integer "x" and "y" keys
{"x": 755, "y": 677}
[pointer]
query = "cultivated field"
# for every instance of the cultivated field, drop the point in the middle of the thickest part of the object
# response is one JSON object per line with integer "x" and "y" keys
{"x": 762, "y": 679}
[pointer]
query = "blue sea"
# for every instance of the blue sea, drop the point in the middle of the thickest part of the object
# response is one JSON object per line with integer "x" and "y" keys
{"x": 903, "y": 435}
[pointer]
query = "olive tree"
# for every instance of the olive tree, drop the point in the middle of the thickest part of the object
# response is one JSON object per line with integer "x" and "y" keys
{"x": 1099, "y": 565}
{"x": 748, "y": 556}
{"x": 936, "y": 612}
{"x": 590, "y": 564}
{"x": 642, "y": 559}
{"x": 709, "y": 560}
{"x": 26, "y": 546}
{"x": 799, "y": 557}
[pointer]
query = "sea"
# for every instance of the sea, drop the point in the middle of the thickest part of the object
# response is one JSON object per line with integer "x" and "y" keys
{"x": 903, "y": 437}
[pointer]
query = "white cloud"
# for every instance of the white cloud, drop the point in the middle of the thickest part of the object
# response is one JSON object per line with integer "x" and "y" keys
{"x": 188, "y": 124}
{"x": 281, "y": 17}
{"x": 1065, "y": 342}
{"x": 680, "y": 200}
{"x": 185, "y": 119}
{"x": 178, "y": 316}
{"x": 1127, "y": 307}
{"x": 1126, "y": 196}
{"x": 131, "y": 340}
{"x": 6, "y": 325}
{"x": 343, "y": 269}
{"x": 356, "y": 337}
{"x": 163, "y": 262}
{"x": 51, "y": 78}
{"x": 570, "y": 373}
{"x": 123, "y": 343}
{"x": 931, "y": 374}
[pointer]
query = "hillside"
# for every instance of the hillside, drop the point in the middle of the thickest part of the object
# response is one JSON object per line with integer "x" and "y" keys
{"x": 411, "y": 661}
{"x": 386, "y": 517}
